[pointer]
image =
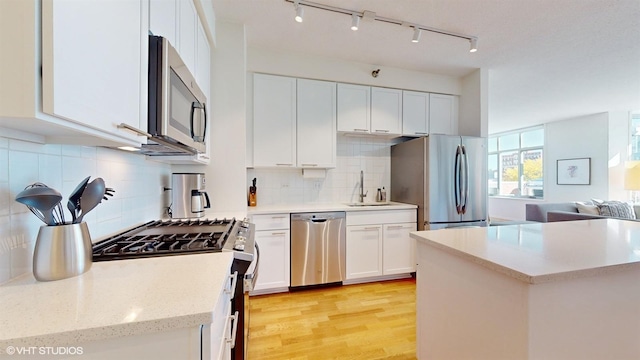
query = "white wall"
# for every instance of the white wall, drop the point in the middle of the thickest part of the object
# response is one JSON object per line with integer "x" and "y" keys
{"x": 226, "y": 173}
{"x": 583, "y": 137}
{"x": 473, "y": 117}
{"x": 322, "y": 68}
{"x": 138, "y": 184}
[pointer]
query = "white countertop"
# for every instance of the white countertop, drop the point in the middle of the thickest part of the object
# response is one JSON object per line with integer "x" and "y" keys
{"x": 295, "y": 208}
{"x": 544, "y": 252}
{"x": 112, "y": 299}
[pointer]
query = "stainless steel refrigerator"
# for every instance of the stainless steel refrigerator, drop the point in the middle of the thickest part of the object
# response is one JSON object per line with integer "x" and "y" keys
{"x": 445, "y": 176}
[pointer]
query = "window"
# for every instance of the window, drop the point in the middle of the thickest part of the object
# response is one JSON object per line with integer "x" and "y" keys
{"x": 515, "y": 163}
{"x": 635, "y": 137}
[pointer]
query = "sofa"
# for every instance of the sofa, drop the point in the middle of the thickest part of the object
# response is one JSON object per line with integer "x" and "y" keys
{"x": 567, "y": 211}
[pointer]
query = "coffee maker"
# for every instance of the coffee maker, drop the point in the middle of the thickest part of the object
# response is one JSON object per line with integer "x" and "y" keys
{"x": 188, "y": 198}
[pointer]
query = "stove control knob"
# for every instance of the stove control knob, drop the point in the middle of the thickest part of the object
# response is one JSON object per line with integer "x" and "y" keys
{"x": 244, "y": 223}
{"x": 239, "y": 247}
{"x": 240, "y": 239}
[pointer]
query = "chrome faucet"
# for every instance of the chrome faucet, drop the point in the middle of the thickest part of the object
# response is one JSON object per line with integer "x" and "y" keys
{"x": 362, "y": 193}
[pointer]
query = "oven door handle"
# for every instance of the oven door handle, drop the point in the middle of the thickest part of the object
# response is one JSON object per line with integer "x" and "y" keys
{"x": 251, "y": 278}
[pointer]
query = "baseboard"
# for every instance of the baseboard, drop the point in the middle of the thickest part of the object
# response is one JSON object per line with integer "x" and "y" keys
{"x": 376, "y": 279}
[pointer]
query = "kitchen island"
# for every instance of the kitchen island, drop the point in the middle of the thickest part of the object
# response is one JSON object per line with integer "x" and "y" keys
{"x": 147, "y": 308}
{"x": 564, "y": 290}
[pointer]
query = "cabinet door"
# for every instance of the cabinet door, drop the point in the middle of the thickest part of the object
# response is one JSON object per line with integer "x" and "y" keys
{"x": 163, "y": 19}
{"x": 386, "y": 111}
{"x": 274, "y": 259}
{"x": 203, "y": 64}
{"x": 364, "y": 251}
{"x": 443, "y": 117}
{"x": 415, "y": 113}
{"x": 187, "y": 25}
{"x": 316, "y": 124}
{"x": 354, "y": 112}
{"x": 274, "y": 121}
{"x": 398, "y": 249}
{"x": 94, "y": 72}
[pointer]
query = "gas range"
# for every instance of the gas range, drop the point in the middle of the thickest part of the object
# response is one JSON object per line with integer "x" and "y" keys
{"x": 179, "y": 237}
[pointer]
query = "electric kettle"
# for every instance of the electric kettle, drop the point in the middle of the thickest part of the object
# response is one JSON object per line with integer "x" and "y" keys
{"x": 188, "y": 198}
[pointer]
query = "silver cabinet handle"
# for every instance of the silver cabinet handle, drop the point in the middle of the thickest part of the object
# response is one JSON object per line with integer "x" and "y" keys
{"x": 279, "y": 217}
{"x": 309, "y": 164}
{"x": 278, "y": 233}
{"x": 361, "y": 130}
{"x": 382, "y": 131}
{"x": 232, "y": 289}
{"x": 420, "y": 133}
{"x": 284, "y": 164}
{"x": 234, "y": 332}
{"x": 397, "y": 227}
{"x": 367, "y": 229}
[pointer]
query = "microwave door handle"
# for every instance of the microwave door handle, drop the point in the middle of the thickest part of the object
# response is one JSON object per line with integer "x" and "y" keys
{"x": 204, "y": 127}
{"x": 197, "y": 105}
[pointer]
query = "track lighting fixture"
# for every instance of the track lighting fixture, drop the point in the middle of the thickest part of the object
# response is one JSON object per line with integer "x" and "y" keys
{"x": 372, "y": 16}
{"x": 416, "y": 34}
{"x": 473, "y": 45}
{"x": 355, "y": 21}
{"x": 299, "y": 13}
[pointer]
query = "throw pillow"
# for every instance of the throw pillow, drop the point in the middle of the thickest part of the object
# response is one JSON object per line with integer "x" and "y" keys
{"x": 584, "y": 208}
{"x": 616, "y": 209}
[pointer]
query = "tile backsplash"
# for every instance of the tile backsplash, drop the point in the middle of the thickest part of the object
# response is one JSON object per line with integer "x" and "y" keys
{"x": 341, "y": 185}
{"x": 138, "y": 197}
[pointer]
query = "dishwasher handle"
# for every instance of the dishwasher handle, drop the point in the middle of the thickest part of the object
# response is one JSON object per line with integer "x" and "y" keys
{"x": 319, "y": 217}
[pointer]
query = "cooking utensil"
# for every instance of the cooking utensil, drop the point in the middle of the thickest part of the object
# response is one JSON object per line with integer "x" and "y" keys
{"x": 93, "y": 195}
{"x": 43, "y": 201}
{"x": 73, "y": 204}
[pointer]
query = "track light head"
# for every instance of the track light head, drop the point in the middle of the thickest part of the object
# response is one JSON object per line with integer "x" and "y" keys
{"x": 473, "y": 45}
{"x": 299, "y": 13}
{"x": 416, "y": 34}
{"x": 355, "y": 22}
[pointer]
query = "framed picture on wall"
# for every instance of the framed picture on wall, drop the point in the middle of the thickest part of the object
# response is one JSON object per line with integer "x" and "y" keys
{"x": 574, "y": 171}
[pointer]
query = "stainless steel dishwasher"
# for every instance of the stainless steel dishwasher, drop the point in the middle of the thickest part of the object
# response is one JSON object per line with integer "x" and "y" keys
{"x": 317, "y": 248}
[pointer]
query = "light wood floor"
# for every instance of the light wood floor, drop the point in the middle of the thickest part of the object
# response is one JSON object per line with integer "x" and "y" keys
{"x": 364, "y": 321}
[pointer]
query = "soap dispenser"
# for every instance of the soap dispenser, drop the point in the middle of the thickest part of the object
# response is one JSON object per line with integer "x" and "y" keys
{"x": 379, "y": 195}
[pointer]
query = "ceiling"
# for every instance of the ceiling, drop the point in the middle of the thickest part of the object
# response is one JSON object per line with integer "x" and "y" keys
{"x": 548, "y": 60}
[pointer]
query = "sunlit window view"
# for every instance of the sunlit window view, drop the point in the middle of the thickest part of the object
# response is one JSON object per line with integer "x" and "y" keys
{"x": 635, "y": 137}
{"x": 516, "y": 163}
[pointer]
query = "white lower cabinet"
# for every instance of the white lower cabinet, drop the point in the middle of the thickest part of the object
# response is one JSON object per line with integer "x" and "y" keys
{"x": 364, "y": 251}
{"x": 378, "y": 243}
{"x": 398, "y": 249}
{"x": 208, "y": 341}
{"x": 272, "y": 236}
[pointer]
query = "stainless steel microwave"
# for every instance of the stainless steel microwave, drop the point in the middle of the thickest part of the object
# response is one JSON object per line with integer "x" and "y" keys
{"x": 177, "y": 106}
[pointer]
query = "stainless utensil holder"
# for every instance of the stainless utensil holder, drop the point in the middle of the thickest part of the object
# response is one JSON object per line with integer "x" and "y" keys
{"x": 62, "y": 251}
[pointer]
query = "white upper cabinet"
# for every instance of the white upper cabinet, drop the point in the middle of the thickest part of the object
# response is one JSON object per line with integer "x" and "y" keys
{"x": 386, "y": 111}
{"x": 274, "y": 121}
{"x": 94, "y": 73}
{"x": 443, "y": 114}
{"x": 187, "y": 28}
{"x": 163, "y": 19}
{"x": 354, "y": 108}
{"x": 203, "y": 63}
{"x": 415, "y": 113}
{"x": 316, "y": 124}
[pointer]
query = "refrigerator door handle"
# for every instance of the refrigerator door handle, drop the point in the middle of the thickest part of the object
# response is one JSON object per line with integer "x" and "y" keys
{"x": 465, "y": 190}
{"x": 457, "y": 168}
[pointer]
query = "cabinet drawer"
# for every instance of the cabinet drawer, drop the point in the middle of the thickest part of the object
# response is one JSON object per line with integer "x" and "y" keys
{"x": 376, "y": 217}
{"x": 271, "y": 221}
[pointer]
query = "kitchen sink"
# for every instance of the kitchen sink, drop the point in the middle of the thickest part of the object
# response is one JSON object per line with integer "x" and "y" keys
{"x": 369, "y": 204}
